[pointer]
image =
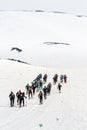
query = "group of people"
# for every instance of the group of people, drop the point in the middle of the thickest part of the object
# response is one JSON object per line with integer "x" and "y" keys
{"x": 62, "y": 78}
{"x": 20, "y": 98}
{"x": 44, "y": 92}
{"x": 40, "y": 85}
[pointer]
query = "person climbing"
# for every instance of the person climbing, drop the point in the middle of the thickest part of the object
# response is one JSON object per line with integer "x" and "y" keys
{"x": 18, "y": 96}
{"x": 45, "y": 92}
{"x": 33, "y": 89}
{"x": 21, "y": 98}
{"x": 39, "y": 77}
{"x": 55, "y": 78}
{"x": 59, "y": 87}
{"x": 27, "y": 87}
{"x": 49, "y": 88}
{"x": 65, "y": 78}
{"x": 45, "y": 78}
{"x": 30, "y": 93}
{"x": 61, "y": 78}
{"x": 40, "y": 96}
{"x": 12, "y": 98}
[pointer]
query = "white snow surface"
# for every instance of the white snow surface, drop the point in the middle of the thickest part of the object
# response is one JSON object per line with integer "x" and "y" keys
{"x": 60, "y": 111}
{"x": 29, "y": 30}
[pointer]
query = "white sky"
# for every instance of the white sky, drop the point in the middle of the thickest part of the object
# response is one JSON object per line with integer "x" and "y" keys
{"x": 69, "y": 6}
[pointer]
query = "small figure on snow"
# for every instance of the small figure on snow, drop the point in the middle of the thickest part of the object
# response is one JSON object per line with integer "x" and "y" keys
{"x": 12, "y": 98}
{"x": 27, "y": 87}
{"x": 40, "y": 96}
{"x": 61, "y": 78}
{"x": 18, "y": 96}
{"x": 59, "y": 87}
{"x": 49, "y": 88}
{"x": 55, "y": 78}
{"x": 22, "y": 95}
{"x": 45, "y": 78}
{"x": 65, "y": 78}
{"x": 30, "y": 92}
{"x": 45, "y": 92}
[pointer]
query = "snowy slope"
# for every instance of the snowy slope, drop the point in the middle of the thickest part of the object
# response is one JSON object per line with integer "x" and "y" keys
{"x": 29, "y": 30}
{"x": 61, "y": 111}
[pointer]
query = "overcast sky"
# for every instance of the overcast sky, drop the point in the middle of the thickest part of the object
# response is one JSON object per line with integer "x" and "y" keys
{"x": 68, "y": 6}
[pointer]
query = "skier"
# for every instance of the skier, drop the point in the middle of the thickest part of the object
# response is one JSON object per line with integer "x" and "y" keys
{"x": 38, "y": 78}
{"x": 45, "y": 78}
{"x": 59, "y": 87}
{"x": 55, "y": 78}
{"x": 40, "y": 96}
{"x": 30, "y": 92}
{"x": 41, "y": 84}
{"x": 33, "y": 89}
{"x": 61, "y": 78}
{"x": 27, "y": 87}
{"x": 18, "y": 96}
{"x": 45, "y": 92}
{"x": 49, "y": 88}
{"x": 65, "y": 78}
{"x": 21, "y": 98}
{"x": 12, "y": 98}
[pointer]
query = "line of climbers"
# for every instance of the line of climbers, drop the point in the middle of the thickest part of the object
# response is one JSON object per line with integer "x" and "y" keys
{"x": 38, "y": 85}
{"x": 20, "y": 98}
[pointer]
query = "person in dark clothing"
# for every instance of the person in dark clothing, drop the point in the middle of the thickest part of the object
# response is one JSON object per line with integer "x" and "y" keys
{"x": 27, "y": 87}
{"x": 18, "y": 96}
{"x": 39, "y": 77}
{"x": 65, "y": 78}
{"x": 40, "y": 96}
{"x": 41, "y": 83}
{"x": 49, "y": 88}
{"x": 21, "y": 98}
{"x": 45, "y": 92}
{"x": 45, "y": 78}
{"x": 30, "y": 92}
{"x": 55, "y": 78}
{"x": 12, "y": 98}
{"x": 59, "y": 87}
{"x": 33, "y": 89}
